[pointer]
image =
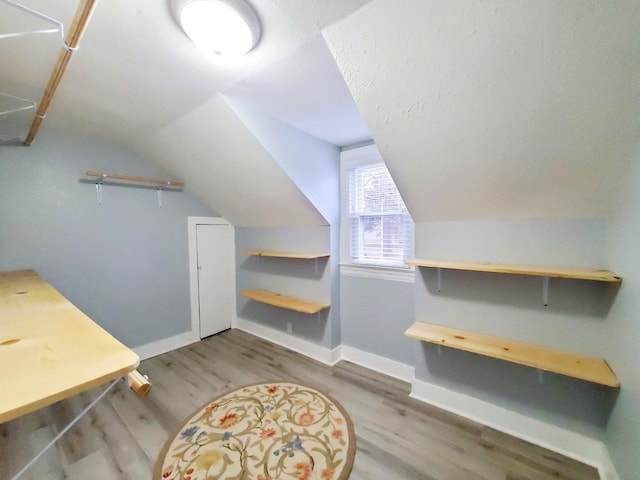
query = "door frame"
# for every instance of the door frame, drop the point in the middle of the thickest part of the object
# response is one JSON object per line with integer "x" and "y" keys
{"x": 192, "y": 232}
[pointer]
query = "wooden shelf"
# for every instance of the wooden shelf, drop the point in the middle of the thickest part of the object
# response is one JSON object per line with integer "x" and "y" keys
{"x": 274, "y": 253}
{"x": 119, "y": 177}
{"x": 284, "y": 301}
{"x": 517, "y": 269}
{"x": 573, "y": 365}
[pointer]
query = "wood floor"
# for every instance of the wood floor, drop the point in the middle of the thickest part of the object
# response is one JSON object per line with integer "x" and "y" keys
{"x": 398, "y": 437}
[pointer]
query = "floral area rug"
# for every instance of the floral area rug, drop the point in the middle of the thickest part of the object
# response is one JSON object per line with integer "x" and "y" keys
{"x": 270, "y": 431}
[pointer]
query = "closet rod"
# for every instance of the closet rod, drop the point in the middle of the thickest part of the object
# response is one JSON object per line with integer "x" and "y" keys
{"x": 79, "y": 25}
{"x": 129, "y": 178}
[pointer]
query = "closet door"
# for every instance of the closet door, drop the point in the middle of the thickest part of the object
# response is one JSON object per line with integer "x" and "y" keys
{"x": 216, "y": 278}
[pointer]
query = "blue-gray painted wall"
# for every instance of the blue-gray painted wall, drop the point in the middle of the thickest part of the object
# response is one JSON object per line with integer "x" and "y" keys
{"x": 313, "y": 165}
{"x": 125, "y": 264}
{"x": 293, "y": 277}
{"x": 622, "y": 335}
{"x": 375, "y": 314}
{"x": 512, "y": 306}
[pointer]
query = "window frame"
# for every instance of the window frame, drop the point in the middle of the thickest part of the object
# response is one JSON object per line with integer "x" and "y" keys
{"x": 349, "y": 159}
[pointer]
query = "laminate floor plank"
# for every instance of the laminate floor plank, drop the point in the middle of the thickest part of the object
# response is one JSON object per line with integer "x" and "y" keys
{"x": 133, "y": 413}
{"x": 398, "y": 438}
{"x": 525, "y": 452}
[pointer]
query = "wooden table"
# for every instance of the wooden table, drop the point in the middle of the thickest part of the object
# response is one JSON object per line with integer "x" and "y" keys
{"x": 49, "y": 349}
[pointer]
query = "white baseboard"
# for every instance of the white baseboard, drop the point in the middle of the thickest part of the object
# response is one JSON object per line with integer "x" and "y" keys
{"x": 570, "y": 444}
{"x": 165, "y": 345}
{"x": 606, "y": 469}
{"x": 384, "y": 365}
{"x": 326, "y": 355}
{"x": 312, "y": 350}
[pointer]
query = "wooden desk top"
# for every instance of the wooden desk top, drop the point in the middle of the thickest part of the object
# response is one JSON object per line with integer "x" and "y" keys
{"x": 49, "y": 349}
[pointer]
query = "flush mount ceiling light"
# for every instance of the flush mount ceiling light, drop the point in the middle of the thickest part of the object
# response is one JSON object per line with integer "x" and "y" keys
{"x": 226, "y": 28}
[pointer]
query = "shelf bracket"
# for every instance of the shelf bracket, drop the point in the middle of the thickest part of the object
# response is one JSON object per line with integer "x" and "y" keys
{"x": 315, "y": 265}
{"x": 159, "y": 198}
{"x": 545, "y": 291}
{"x": 540, "y": 376}
{"x": 439, "y": 278}
{"x": 99, "y": 193}
{"x": 439, "y": 346}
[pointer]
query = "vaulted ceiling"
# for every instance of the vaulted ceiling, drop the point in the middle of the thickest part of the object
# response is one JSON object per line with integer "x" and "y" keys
{"x": 498, "y": 109}
{"x": 489, "y": 109}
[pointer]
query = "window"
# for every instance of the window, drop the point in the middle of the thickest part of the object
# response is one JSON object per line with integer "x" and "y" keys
{"x": 380, "y": 229}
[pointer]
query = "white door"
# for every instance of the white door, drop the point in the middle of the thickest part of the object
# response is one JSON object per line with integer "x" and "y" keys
{"x": 216, "y": 278}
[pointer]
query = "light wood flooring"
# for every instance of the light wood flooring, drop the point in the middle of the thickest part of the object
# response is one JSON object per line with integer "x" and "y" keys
{"x": 398, "y": 437}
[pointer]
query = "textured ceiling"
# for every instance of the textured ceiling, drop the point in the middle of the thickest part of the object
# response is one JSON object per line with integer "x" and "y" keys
{"x": 137, "y": 72}
{"x": 483, "y": 109}
{"x": 497, "y": 109}
{"x": 235, "y": 176}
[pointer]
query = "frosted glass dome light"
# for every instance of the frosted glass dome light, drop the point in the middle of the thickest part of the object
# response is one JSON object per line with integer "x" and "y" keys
{"x": 226, "y": 28}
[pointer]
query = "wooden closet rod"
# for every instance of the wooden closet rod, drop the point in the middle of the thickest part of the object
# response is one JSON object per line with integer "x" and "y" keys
{"x": 79, "y": 25}
{"x": 129, "y": 178}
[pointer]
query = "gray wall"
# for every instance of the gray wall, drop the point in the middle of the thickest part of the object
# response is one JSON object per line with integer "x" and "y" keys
{"x": 622, "y": 336}
{"x": 124, "y": 264}
{"x": 511, "y": 306}
{"x": 313, "y": 165}
{"x": 375, "y": 314}
{"x": 294, "y": 277}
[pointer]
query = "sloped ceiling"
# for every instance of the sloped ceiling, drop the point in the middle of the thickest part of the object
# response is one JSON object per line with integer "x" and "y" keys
{"x": 230, "y": 169}
{"x": 497, "y": 109}
{"x": 309, "y": 69}
{"x": 136, "y": 71}
{"x": 138, "y": 80}
{"x": 490, "y": 109}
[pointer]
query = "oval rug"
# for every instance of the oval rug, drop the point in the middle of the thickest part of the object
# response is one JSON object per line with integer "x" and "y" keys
{"x": 268, "y": 431}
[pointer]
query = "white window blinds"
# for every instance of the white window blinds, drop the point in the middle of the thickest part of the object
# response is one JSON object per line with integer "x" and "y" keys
{"x": 381, "y": 229}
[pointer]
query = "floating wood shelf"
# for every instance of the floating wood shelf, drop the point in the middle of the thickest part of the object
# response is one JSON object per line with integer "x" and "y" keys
{"x": 129, "y": 178}
{"x": 573, "y": 365}
{"x": 274, "y": 253}
{"x": 516, "y": 269}
{"x": 284, "y": 301}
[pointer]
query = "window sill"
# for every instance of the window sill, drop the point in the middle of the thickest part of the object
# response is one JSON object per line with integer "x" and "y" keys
{"x": 406, "y": 275}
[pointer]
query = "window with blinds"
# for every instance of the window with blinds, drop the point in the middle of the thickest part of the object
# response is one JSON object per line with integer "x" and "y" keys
{"x": 381, "y": 229}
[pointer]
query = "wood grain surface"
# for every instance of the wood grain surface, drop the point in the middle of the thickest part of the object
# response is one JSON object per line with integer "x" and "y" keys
{"x": 49, "y": 349}
{"x": 565, "y": 363}
{"x": 398, "y": 438}
{"x": 280, "y": 300}
{"x": 521, "y": 269}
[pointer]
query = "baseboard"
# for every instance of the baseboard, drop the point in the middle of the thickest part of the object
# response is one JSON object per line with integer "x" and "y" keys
{"x": 606, "y": 469}
{"x": 380, "y": 364}
{"x": 570, "y": 444}
{"x": 305, "y": 347}
{"x": 165, "y": 345}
